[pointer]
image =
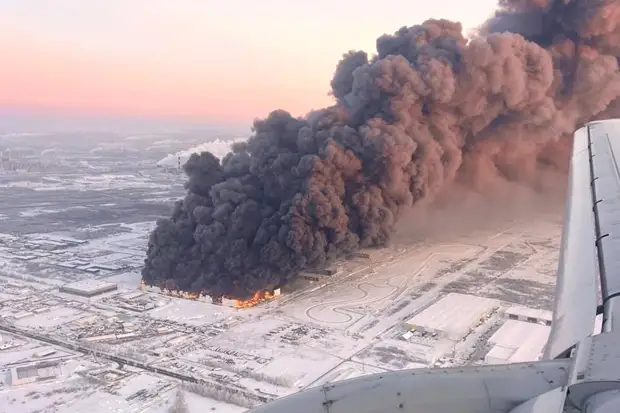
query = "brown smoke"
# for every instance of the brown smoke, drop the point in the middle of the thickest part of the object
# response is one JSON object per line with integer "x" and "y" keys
{"x": 431, "y": 112}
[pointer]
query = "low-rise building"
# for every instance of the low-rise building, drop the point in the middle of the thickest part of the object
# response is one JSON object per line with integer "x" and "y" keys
{"x": 517, "y": 341}
{"x": 25, "y": 374}
{"x": 453, "y": 316}
{"x": 530, "y": 315}
{"x": 89, "y": 288}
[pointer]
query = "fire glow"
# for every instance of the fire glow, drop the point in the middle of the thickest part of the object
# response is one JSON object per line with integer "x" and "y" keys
{"x": 259, "y": 297}
{"x": 181, "y": 294}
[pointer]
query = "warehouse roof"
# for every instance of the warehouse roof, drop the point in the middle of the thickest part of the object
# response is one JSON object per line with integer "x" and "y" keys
{"x": 526, "y": 340}
{"x": 454, "y": 315}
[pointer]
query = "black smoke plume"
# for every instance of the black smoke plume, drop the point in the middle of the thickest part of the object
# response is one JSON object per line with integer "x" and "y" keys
{"x": 430, "y": 111}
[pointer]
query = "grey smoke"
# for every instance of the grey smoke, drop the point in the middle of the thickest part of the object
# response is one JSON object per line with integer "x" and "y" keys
{"x": 429, "y": 112}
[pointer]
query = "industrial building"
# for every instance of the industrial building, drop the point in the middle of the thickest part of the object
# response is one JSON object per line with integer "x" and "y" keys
{"x": 313, "y": 277}
{"x": 89, "y": 288}
{"x": 453, "y": 316}
{"x": 318, "y": 275}
{"x": 46, "y": 370}
{"x": 517, "y": 341}
{"x": 530, "y": 315}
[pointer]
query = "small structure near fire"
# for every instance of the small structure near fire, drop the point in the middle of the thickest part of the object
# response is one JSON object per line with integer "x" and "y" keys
{"x": 320, "y": 274}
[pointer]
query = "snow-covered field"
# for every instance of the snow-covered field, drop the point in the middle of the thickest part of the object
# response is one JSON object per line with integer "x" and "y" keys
{"x": 354, "y": 323}
{"x": 134, "y": 349}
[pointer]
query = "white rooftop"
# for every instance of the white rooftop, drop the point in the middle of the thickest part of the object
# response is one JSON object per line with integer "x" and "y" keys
{"x": 89, "y": 285}
{"x": 499, "y": 355}
{"x": 514, "y": 333}
{"x": 454, "y": 315}
{"x": 525, "y": 340}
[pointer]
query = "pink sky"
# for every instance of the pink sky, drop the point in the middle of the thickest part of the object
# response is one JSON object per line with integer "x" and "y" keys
{"x": 232, "y": 60}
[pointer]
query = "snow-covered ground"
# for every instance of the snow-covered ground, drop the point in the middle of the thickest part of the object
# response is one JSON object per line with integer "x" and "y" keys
{"x": 356, "y": 322}
{"x": 99, "y": 182}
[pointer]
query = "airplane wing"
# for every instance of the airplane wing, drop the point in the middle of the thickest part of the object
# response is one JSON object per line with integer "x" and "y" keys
{"x": 576, "y": 291}
{"x": 580, "y": 371}
{"x": 605, "y": 171}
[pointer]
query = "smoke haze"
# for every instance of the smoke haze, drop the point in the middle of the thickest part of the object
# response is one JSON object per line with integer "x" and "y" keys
{"x": 431, "y": 114}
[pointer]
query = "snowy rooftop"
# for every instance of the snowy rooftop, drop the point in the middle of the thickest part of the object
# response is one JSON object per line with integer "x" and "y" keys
{"x": 89, "y": 286}
{"x": 499, "y": 355}
{"x": 454, "y": 315}
{"x": 519, "y": 341}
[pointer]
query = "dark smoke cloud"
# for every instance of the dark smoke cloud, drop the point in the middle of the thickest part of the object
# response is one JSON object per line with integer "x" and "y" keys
{"x": 429, "y": 112}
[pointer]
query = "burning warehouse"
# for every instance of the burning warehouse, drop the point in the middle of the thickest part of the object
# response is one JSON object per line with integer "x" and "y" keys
{"x": 259, "y": 297}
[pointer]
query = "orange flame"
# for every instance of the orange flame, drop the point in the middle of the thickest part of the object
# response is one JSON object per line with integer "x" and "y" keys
{"x": 259, "y": 297}
{"x": 192, "y": 296}
{"x": 181, "y": 294}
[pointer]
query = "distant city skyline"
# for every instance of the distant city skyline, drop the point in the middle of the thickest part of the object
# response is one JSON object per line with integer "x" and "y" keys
{"x": 200, "y": 60}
